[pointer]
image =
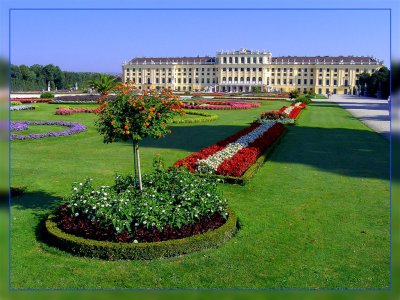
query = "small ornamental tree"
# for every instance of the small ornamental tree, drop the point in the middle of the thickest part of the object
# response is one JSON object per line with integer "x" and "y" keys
{"x": 134, "y": 116}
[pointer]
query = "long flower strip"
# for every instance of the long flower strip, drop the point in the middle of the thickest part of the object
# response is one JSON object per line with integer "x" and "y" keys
{"x": 220, "y": 105}
{"x": 21, "y": 107}
{"x": 70, "y": 111}
{"x": 18, "y": 126}
{"x": 191, "y": 161}
{"x": 211, "y": 164}
{"x": 31, "y": 100}
{"x": 74, "y": 128}
{"x": 246, "y": 157}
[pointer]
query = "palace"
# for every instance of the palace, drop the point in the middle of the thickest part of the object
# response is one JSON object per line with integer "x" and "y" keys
{"x": 245, "y": 71}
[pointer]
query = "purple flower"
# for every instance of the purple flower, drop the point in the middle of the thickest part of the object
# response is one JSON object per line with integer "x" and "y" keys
{"x": 23, "y": 125}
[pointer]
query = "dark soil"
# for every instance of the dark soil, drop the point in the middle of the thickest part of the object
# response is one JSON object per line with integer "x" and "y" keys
{"x": 85, "y": 228}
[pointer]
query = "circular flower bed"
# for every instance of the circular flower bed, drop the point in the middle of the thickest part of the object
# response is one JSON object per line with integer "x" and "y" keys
{"x": 173, "y": 205}
{"x": 74, "y": 128}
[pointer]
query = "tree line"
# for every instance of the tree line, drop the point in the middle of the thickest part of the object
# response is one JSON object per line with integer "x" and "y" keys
{"x": 37, "y": 78}
{"x": 379, "y": 80}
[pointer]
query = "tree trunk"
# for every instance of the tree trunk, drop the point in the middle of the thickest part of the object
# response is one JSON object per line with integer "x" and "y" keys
{"x": 136, "y": 156}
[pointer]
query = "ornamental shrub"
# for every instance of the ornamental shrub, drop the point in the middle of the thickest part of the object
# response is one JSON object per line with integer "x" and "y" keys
{"x": 173, "y": 198}
{"x": 134, "y": 115}
{"x": 306, "y": 98}
{"x": 46, "y": 95}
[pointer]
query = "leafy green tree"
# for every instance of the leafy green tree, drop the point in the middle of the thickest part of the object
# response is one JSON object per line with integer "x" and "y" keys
{"x": 134, "y": 116}
{"x": 103, "y": 83}
{"x": 293, "y": 94}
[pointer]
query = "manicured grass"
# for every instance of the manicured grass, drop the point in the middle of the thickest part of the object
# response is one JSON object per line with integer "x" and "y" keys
{"x": 315, "y": 216}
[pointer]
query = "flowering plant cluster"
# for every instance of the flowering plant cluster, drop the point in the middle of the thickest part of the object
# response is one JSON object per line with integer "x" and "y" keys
{"x": 220, "y": 105}
{"x": 32, "y": 100}
{"x": 22, "y": 107}
{"x": 250, "y": 98}
{"x": 293, "y": 110}
{"x": 131, "y": 115}
{"x": 74, "y": 128}
{"x": 13, "y": 103}
{"x": 234, "y": 155}
{"x": 70, "y": 111}
{"x": 170, "y": 198}
{"x": 285, "y": 115}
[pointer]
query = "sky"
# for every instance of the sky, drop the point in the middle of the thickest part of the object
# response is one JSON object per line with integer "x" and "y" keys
{"x": 101, "y": 40}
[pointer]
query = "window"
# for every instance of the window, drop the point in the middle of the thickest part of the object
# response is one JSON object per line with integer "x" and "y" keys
{"x": 259, "y": 79}
{"x": 311, "y": 81}
{"x": 224, "y": 60}
{"x": 327, "y": 82}
{"x": 346, "y": 82}
{"x": 291, "y": 81}
{"x": 254, "y": 69}
{"x": 208, "y": 80}
{"x": 279, "y": 69}
{"x": 279, "y": 81}
{"x": 291, "y": 70}
{"x": 230, "y": 79}
{"x": 284, "y": 81}
{"x": 272, "y": 81}
{"x": 346, "y": 70}
{"x": 273, "y": 70}
{"x": 169, "y": 80}
{"x": 335, "y": 82}
{"x": 241, "y": 79}
{"x": 320, "y": 69}
{"x": 248, "y": 69}
{"x": 305, "y": 81}
{"x": 230, "y": 69}
{"x": 260, "y": 69}
{"x": 179, "y": 80}
{"x": 157, "y": 81}
{"x": 163, "y": 80}
{"x": 236, "y": 79}
{"x": 230, "y": 60}
{"x": 254, "y": 60}
{"x": 304, "y": 90}
{"x": 223, "y": 78}
{"x": 202, "y": 80}
{"x": 319, "y": 91}
{"x": 236, "y": 60}
{"x": 327, "y": 91}
{"x": 305, "y": 70}
{"x": 357, "y": 70}
{"x": 236, "y": 69}
{"x": 253, "y": 79}
{"x": 335, "y": 70}
{"x": 327, "y": 70}
{"x": 284, "y": 69}
{"x": 319, "y": 81}
{"x": 184, "y": 80}
{"x": 260, "y": 59}
{"x": 299, "y": 81}
{"x": 242, "y": 69}
{"x": 242, "y": 60}
{"x": 248, "y": 79}
{"x": 140, "y": 80}
{"x": 224, "y": 69}
{"x": 248, "y": 60}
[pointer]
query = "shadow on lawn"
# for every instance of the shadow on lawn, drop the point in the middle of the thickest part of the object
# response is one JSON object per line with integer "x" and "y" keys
{"x": 37, "y": 200}
{"x": 348, "y": 152}
{"x": 191, "y": 137}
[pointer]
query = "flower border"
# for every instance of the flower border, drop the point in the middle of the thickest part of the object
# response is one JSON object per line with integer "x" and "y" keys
{"x": 74, "y": 128}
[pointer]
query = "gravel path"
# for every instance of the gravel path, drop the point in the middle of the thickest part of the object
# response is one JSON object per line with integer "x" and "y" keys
{"x": 371, "y": 111}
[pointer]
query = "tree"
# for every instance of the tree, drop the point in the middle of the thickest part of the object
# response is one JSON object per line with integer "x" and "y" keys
{"x": 293, "y": 94}
{"x": 255, "y": 89}
{"x": 134, "y": 116}
{"x": 103, "y": 83}
{"x": 363, "y": 79}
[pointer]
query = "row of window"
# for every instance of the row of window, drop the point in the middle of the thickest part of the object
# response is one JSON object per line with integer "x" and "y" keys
{"x": 179, "y": 80}
{"x": 243, "y": 60}
{"x": 178, "y": 69}
{"x": 169, "y": 74}
{"x": 311, "y": 82}
{"x": 241, "y": 69}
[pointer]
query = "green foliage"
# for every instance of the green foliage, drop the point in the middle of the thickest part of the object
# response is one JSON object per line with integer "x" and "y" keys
{"x": 13, "y": 103}
{"x": 103, "y": 83}
{"x": 131, "y": 116}
{"x": 294, "y": 94}
{"x": 375, "y": 81}
{"x": 114, "y": 251}
{"x": 304, "y": 98}
{"x": 36, "y": 77}
{"x": 46, "y": 95}
{"x": 255, "y": 89}
{"x": 175, "y": 197}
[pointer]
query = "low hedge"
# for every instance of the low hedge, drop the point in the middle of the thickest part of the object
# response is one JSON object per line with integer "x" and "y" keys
{"x": 114, "y": 251}
{"x": 204, "y": 117}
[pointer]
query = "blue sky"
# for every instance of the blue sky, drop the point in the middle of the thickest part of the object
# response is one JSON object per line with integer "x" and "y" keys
{"x": 100, "y": 40}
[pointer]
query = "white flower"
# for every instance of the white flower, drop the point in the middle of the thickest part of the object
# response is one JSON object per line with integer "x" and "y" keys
{"x": 76, "y": 214}
{"x": 144, "y": 222}
{"x": 135, "y": 241}
{"x": 80, "y": 183}
{"x": 75, "y": 189}
{"x": 117, "y": 229}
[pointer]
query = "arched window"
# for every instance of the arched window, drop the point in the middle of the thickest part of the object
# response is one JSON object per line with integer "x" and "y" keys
{"x": 242, "y": 79}
{"x": 230, "y": 78}
{"x": 254, "y": 79}
{"x": 242, "y": 60}
{"x": 236, "y": 78}
{"x": 247, "y": 79}
{"x": 230, "y": 60}
{"x": 259, "y": 79}
{"x": 223, "y": 78}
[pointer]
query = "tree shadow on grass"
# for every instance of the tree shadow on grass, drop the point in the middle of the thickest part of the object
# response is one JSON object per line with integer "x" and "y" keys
{"x": 348, "y": 152}
{"x": 36, "y": 200}
{"x": 191, "y": 137}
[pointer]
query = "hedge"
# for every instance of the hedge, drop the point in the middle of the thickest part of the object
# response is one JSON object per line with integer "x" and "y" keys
{"x": 114, "y": 251}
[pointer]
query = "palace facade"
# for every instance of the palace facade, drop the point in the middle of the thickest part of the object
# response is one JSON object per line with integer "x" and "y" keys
{"x": 245, "y": 71}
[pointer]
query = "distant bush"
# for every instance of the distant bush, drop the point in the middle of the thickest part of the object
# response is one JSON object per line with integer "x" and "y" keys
{"x": 294, "y": 94}
{"x": 46, "y": 95}
{"x": 306, "y": 98}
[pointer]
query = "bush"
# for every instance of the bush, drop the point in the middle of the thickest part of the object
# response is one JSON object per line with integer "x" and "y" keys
{"x": 306, "y": 98}
{"x": 294, "y": 94}
{"x": 46, "y": 95}
{"x": 169, "y": 198}
{"x": 13, "y": 103}
{"x": 113, "y": 251}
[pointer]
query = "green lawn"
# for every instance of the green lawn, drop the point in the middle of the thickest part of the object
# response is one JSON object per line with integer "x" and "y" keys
{"x": 315, "y": 216}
